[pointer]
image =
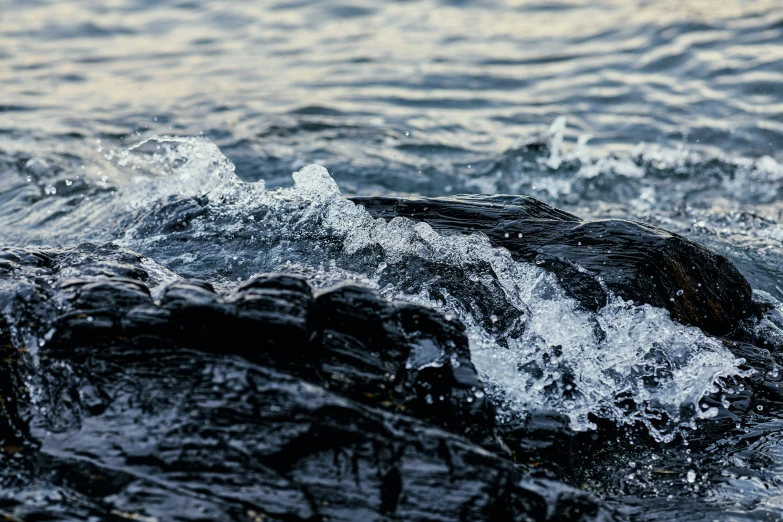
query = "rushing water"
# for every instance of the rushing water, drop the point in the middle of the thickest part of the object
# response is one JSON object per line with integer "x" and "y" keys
{"x": 661, "y": 111}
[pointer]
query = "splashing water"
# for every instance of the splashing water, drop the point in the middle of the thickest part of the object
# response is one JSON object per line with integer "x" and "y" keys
{"x": 183, "y": 165}
{"x": 535, "y": 348}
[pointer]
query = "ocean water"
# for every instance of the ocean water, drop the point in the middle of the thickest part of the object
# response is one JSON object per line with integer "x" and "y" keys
{"x": 667, "y": 112}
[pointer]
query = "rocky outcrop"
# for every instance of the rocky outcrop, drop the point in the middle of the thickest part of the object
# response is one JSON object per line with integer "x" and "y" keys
{"x": 270, "y": 402}
{"x": 127, "y": 393}
{"x": 399, "y": 357}
{"x": 635, "y": 261}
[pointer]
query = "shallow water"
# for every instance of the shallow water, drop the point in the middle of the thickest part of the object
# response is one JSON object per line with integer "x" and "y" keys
{"x": 659, "y": 111}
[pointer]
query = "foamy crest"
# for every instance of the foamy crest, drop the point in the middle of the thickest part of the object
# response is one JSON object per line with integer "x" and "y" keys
{"x": 176, "y": 166}
{"x": 628, "y": 363}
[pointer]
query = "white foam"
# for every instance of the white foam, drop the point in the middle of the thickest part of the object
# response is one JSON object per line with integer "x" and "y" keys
{"x": 177, "y": 166}
{"x": 623, "y": 354}
{"x": 627, "y": 363}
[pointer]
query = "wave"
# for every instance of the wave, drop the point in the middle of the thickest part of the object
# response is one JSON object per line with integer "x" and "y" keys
{"x": 182, "y": 205}
{"x": 535, "y": 348}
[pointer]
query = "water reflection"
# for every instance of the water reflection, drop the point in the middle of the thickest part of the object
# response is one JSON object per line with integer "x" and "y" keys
{"x": 482, "y": 73}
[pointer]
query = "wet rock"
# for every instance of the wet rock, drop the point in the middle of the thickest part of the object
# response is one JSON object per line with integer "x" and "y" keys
{"x": 401, "y": 357}
{"x": 635, "y": 261}
{"x": 171, "y": 216}
{"x": 405, "y": 357}
{"x": 217, "y": 437}
{"x": 269, "y": 402}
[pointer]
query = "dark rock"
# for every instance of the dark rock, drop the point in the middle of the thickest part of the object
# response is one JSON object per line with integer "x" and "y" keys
{"x": 635, "y": 261}
{"x": 217, "y": 437}
{"x": 407, "y": 358}
{"x": 171, "y": 215}
{"x": 401, "y": 357}
{"x": 270, "y": 402}
{"x": 273, "y": 401}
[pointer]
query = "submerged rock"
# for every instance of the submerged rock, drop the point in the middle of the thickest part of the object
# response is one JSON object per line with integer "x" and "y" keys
{"x": 635, "y": 261}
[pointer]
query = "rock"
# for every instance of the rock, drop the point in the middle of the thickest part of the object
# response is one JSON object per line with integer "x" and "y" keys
{"x": 635, "y": 261}
{"x": 400, "y": 357}
{"x": 269, "y": 402}
{"x": 217, "y": 437}
{"x": 170, "y": 216}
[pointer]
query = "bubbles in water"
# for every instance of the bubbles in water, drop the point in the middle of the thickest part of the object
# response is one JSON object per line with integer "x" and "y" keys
{"x": 181, "y": 166}
{"x": 313, "y": 182}
{"x": 624, "y": 351}
{"x": 535, "y": 348}
{"x": 555, "y": 138}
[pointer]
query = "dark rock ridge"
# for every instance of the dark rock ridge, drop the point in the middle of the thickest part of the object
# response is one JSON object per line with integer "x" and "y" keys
{"x": 400, "y": 357}
{"x": 635, "y": 261}
{"x": 272, "y": 402}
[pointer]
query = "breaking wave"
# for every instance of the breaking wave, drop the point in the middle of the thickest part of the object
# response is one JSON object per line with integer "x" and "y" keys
{"x": 535, "y": 348}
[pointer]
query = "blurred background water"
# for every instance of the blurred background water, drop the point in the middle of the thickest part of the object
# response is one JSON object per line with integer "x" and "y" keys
{"x": 465, "y": 75}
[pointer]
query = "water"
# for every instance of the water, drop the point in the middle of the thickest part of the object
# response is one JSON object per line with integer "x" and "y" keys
{"x": 659, "y": 111}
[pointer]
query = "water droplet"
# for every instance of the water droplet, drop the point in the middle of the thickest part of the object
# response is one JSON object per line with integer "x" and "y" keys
{"x": 493, "y": 318}
{"x": 691, "y": 476}
{"x": 710, "y": 413}
{"x": 680, "y": 292}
